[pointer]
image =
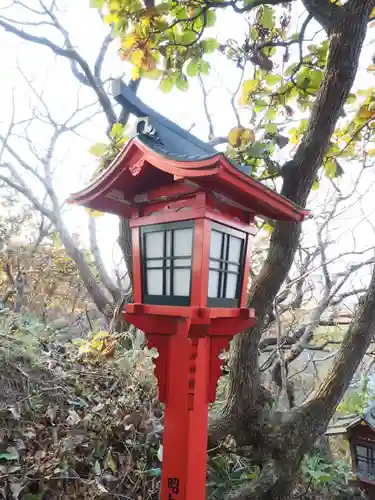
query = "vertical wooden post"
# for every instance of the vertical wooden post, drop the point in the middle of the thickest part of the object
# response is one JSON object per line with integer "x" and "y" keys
{"x": 186, "y": 419}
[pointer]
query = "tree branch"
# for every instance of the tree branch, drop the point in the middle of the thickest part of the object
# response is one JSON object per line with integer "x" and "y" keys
{"x": 298, "y": 175}
{"x": 325, "y": 12}
{"x": 71, "y": 55}
{"x": 103, "y": 275}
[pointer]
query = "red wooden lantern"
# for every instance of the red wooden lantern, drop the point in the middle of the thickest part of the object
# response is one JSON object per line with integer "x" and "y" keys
{"x": 191, "y": 212}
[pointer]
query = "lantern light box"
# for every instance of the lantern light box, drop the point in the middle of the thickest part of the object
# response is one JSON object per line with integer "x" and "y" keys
{"x": 191, "y": 213}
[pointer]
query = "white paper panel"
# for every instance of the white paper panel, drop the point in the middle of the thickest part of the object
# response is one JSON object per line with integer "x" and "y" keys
{"x": 215, "y": 245}
{"x": 154, "y": 282}
{"x": 182, "y": 263}
{"x": 214, "y": 264}
{"x": 231, "y": 286}
{"x": 154, "y": 263}
{"x": 213, "y": 283}
{"x": 183, "y": 242}
{"x": 154, "y": 244}
{"x": 168, "y": 282}
{"x": 181, "y": 282}
{"x": 234, "y": 249}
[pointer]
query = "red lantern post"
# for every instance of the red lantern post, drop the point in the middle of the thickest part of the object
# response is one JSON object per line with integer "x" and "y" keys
{"x": 192, "y": 226}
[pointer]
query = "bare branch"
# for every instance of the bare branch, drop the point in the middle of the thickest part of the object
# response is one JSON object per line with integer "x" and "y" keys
{"x": 71, "y": 55}
{"x": 104, "y": 276}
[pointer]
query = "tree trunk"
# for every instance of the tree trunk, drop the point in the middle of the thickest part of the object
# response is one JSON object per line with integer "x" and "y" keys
{"x": 125, "y": 243}
{"x": 105, "y": 279}
{"x": 95, "y": 290}
{"x": 346, "y": 41}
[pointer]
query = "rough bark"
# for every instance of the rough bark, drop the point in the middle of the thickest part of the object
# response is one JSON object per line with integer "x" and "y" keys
{"x": 125, "y": 243}
{"x": 298, "y": 432}
{"x": 346, "y": 40}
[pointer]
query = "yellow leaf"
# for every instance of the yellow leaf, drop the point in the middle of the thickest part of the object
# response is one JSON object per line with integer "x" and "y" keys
{"x": 234, "y": 136}
{"x": 135, "y": 73}
{"x": 371, "y": 67}
{"x": 114, "y": 5}
{"x": 372, "y": 13}
{"x": 247, "y": 136}
{"x": 128, "y": 42}
{"x": 250, "y": 85}
{"x": 101, "y": 335}
{"x": 110, "y": 18}
{"x": 94, "y": 213}
{"x": 365, "y": 113}
{"x": 137, "y": 57}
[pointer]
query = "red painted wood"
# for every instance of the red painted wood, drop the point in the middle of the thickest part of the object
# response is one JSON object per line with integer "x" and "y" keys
{"x": 246, "y": 274}
{"x": 137, "y": 266}
{"x": 169, "y": 204}
{"x": 151, "y": 189}
{"x": 186, "y": 418}
{"x": 214, "y": 174}
{"x": 199, "y": 285}
{"x": 178, "y": 188}
{"x": 168, "y": 217}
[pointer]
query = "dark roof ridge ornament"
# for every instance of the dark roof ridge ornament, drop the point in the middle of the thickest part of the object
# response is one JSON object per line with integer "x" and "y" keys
{"x": 173, "y": 137}
{"x": 144, "y": 127}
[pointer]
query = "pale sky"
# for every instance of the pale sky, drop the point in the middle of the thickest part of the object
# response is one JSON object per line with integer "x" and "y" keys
{"x": 74, "y": 165}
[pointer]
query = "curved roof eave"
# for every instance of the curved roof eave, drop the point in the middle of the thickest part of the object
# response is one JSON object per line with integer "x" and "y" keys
{"x": 211, "y": 171}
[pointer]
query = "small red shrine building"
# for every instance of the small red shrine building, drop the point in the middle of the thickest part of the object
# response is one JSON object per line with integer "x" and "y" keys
{"x": 359, "y": 430}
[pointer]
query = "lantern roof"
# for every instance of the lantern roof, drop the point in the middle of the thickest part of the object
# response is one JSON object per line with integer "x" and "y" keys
{"x": 161, "y": 153}
{"x": 341, "y": 424}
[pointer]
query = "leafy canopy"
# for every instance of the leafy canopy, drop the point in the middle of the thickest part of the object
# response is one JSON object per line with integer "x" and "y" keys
{"x": 283, "y": 64}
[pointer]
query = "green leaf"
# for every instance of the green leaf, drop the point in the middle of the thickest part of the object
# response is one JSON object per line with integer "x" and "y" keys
{"x": 210, "y": 45}
{"x": 97, "y": 468}
{"x": 204, "y": 67}
{"x": 249, "y": 86}
{"x": 116, "y": 130}
{"x": 154, "y": 472}
{"x": 315, "y": 77}
{"x": 210, "y": 18}
{"x": 166, "y": 85}
{"x": 188, "y": 37}
{"x": 254, "y": 33}
{"x": 316, "y": 184}
{"x": 97, "y": 4}
{"x": 182, "y": 83}
{"x": 180, "y": 12}
{"x": 192, "y": 68}
{"x": 260, "y": 105}
{"x": 99, "y": 149}
{"x": 289, "y": 70}
{"x": 272, "y": 79}
{"x": 271, "y": 128}
{"x": 9, "y": 456}
{"x": 256, "y": 149}
{"x": 267, "y": 20}
{"x": 271, "y": 114}
{"x": 330, "y": 168}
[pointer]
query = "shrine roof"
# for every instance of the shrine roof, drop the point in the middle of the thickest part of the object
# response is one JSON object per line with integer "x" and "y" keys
{"x": 161, "y": 152}
{"x": 342, "y": 423}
